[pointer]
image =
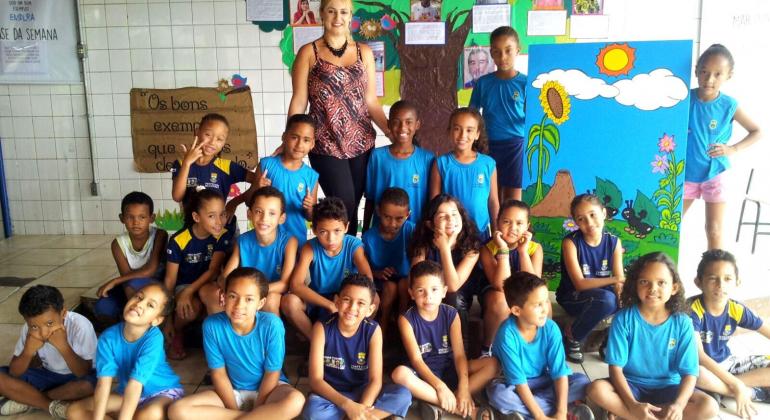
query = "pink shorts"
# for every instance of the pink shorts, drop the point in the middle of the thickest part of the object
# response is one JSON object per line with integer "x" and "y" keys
{"x": 710, "y": 191}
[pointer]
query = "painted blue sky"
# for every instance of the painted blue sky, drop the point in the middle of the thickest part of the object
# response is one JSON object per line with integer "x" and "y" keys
{"x": 602, "y": 137}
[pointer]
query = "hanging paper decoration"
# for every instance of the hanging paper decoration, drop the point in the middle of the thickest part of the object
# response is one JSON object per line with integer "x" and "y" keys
{"x": 355, "y": 24}
{"x": 387, "y": 23}
{"x": 238, "y": 81}
{"x": 371, "y": 29}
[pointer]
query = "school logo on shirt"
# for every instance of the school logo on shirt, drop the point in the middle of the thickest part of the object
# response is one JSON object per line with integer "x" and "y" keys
{"x": 605, "y": 270}
{"x": 192, "y": 182}
{"x": 278, "y": 268}
{"x": 706, "y": 337}
{"x": 213, "y": 178}
{"x": 360, "y": 362}
{"x": 210, "y": 249}
{"x": 480, "y": 179}
{"x": 713, "y": 124}
{"x": 444, "y": 345}
{"x": 334, "y": 362}
{"x": 426, "y": 348}
{"x": 672, "y": 343}
{"x": 516, "y": 95}
{"x": 300, "y": 187}
{"x": 726, "y": 333}
{"x": 415, "y": 178}
{"x": 345, "y": 273}
{"x": 193, "y": 258}
{"x": 586, "y": 270}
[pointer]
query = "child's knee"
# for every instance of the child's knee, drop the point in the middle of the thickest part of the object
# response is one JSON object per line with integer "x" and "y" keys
{"x": 705, "y": 406}
{"x": 293, "y": 403}
{"x": 401, "y": 375}
{"x": 177, "y": 409}
{"x": 596, "y": 388}
{"x": 291, "y": 303}
{"x": 154, "y": 411}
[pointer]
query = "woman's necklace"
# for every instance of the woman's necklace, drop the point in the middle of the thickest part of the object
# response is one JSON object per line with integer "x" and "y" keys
{"x": 337, "y": 52}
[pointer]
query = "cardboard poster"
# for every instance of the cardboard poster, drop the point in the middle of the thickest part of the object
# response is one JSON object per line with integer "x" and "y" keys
{"x": 164, "y": 119}
{"x": 609, "y": 118}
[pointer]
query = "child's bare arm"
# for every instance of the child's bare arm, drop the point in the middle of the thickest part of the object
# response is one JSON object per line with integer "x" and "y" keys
{"x": 361, "y": 263}
{"x": 120, "y": 260}
{"x": 269, "y": 383}
{"x": 289, "y": 260}
{"x": 298, "y": 286}
{"x": 754, "y": 132}
{"x": 191, "y": 154}
{"x": 19, "y": 364}
{"x": 561, "y": 388}
{"x": 764, "y": 330}
{"x": 686, "y": 388}
{"x": 620, "y": 384}
{"x": 434, "y": 187}
{"x": 316, "y": 370}
{"x": 569, "y": 254}
{"x": 373, "y": 388}
{"x": 456, "y": 277}
{"x": 493, "y": 201}
{"x": 525, "y": 394}
{"x": 184, "y": 298}
{"x": 232, "y": 263}
{"x": 464, "y": 402}
{"x": 131, "y": 395}
{"x": 148, "y": 269}
{"x": 101, "y": 395}
{"x": 309, "y": 201}
{"x": 172, "y": 270}
{"x": 415, "y": 356}
{"x": 495, "y": 269}
{"x": 77, "y": 365}
{"x": 223, "y": 387}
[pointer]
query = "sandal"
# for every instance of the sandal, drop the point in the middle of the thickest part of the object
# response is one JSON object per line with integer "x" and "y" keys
{"x": 176, "y": 349}
{"x": 429, "y": 411}
{"x": 484, "y": 412}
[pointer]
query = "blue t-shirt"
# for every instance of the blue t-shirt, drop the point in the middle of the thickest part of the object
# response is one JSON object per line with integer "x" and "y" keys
{"x": 245, "y": 357}
{"x": 652, "y": 356}
{"x": 715, "y": 331}
{"x": 220, "y": 174}
{"x": 502, "y": 102}
{"x": 433, "y": 337}
{"x": 295, "y": 185}
{"x": 326, "y": 273}
{"x": 193, "y": 254}
{"x": 267, "y": 259}
{"x": 710, "y": 122}
{"x": 411, "y": 174}
{"x": 595, "y": 261}
{"x": 471, "y": 183}
{"x": 346, "y": 359}
{"x": 144, "y": 360}
{"x": 383, "y": 254}
{"x": 522, "y": 360}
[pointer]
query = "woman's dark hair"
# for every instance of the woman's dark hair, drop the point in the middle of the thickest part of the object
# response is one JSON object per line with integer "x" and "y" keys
{"x": 249, "y": 273}
{"x": 504, "y": 31}
{"x": 405, "y": 105}
{"x": 193, "y": 201}
{"x": 581, "y": 198}
{"x": 212, "y": 117}
{"x": 467, "y": 241}
{"x": 630, "y": 296}
{"x": 136, "y": 197}
{"x": 713, "y": 50}
{"x": 40, "y": 298}
{"x": 359, "y": 280}
{"x": 329, "y": 208}
{"x": 482, "y": 144}
{"x": 715, "y": 255}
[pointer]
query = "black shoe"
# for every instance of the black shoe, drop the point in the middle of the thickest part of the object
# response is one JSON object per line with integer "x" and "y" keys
{"x": 603, "y": 348}
{"x": 574, "y": 350}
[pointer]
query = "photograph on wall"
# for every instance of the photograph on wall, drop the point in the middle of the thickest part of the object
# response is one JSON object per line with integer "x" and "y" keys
{"x": 587, "y": 7}
{"x": 548, "y": 4}
{"x": 378, "y": 50}
{"x": 490, "y": 2}
{"x": 305, "y": 12}
{"x": 477, "y": 62}
{"x": 426, "y": 11}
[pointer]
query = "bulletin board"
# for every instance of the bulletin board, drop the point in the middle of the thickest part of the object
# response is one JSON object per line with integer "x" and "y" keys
{"x": 38, "y": 42}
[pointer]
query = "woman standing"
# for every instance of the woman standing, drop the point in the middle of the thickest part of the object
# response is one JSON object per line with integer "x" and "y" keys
{"x": 336, "y": 76}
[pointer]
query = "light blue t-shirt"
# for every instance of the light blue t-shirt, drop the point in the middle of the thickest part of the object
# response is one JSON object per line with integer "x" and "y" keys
{"x": 502, "y": 105}
{"x": 471, "y": 184}
{"x": 295, "y": 185}
{"x": 144, "y": 360}
{"x": 382, "y": 254}
{"x": 411, "y": 174}
{"x": 326, "y": 273}
{"x": 245, "y": 357}
{"x": 521, "y": 360}
{"x": 267, "y": 259}
{"x": 710, "y": 122}
{"x": 653, "y": 356}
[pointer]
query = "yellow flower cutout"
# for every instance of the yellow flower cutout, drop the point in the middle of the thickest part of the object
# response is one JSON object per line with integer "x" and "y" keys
{"x": 555, "y": 101}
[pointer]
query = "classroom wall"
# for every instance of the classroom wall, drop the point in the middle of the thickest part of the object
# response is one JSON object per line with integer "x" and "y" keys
{"x": 167, "y": 44}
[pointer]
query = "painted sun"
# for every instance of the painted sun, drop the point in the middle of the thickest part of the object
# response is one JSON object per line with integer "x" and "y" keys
{"x": 616, "y": 59}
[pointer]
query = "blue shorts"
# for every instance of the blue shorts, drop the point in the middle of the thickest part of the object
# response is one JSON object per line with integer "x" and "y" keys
{"x": 509, "y": 159}
{"x": 393, "y": 399}
{"x": 43, "y": 379}
{"x": 172, "y": 393}
{"x": 663, "y": 395}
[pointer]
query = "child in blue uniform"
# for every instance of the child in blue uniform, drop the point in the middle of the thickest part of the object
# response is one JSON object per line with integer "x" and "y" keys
{"x": 710, "y": 128}
{"x": 401, "y": 164}
{"x": 466, "y": 172}
{"x": 716, "y": 317}
{"x": 328, "y": 258}
{"x": 591, "y": 272}
{"x": 346, "y": 361}
{"x": 652, "y": 351}
{"x": 385, "y": 247}
{"x": 289, "y": 174}
{"x": 511, "y": 249}
{"x": 244, "y": 350}
{"x": 439, "y": 374}
{"x": 537, "y": 381}
{"x": 195, "y": 255}
{"x": 500, "y": 96}
{"x": 201, "y": 167}
{"x": 267, "y": 247}
{"x": 132, "y": 353}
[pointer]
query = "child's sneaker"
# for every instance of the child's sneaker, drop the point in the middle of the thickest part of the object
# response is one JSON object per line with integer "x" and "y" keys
{"x": 429, "y": 411}
{"x": 761, "y": 395}
{"x": 485, "y": 352}
{"x": 579, "y": 411}
{"x": 11, "y": 407}
{"x": 574, "y": 350}
{"x": 58, "y": 409}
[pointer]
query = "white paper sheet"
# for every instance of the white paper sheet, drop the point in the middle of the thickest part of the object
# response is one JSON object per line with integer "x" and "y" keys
{"x": 589, "y": 26}
{"x": 306, "y": 34}
{"x": 546, "y": 22}
{"x": 425, "y": 33}
{"x": 379, "y": 83}
{"x": 264, "y": 10}
{"x": 488, "y": 18}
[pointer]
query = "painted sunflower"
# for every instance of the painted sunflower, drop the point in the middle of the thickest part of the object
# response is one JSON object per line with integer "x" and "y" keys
{"x": 555, "y": 101}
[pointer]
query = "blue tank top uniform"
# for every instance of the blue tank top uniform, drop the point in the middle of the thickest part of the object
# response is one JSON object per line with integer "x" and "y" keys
{"x": 326, "y": 273}
{"x": 434, "y": 342}
{"x": 268, "y": 259}
{"x": 471, "y": 183}
{"x": 346, "y": 369}
{"x": 595, "y": 261}
{"x": 194, "y": 254}
{"x": 295, "y": 185}
{"x": 383, "y": 254}
{"x": 410, "y": 174}
{"x": 710, "y": 122}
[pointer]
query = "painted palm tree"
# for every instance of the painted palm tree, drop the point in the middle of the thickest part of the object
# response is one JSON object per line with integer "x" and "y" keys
{"x": 556, "y": 106}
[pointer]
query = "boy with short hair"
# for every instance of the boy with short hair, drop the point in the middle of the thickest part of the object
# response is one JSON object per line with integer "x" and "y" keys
{"x": 346, "y": 361}
{"x": 537, "y": 381}
{"x": 715, "y": 317}
{"x": 266, "y": 247}
{"x": 439, "y": 373}
{"x": 328, "y": 258}
{"x": 385, "y": 247}
{"x": 288, "y": 173}
{"x": 138, "y": 253}
{"x": 244, "y": 350}
{"x": 65, "y": 344}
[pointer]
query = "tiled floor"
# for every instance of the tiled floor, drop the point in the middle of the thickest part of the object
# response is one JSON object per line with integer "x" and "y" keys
{"x": 77, "y": 265}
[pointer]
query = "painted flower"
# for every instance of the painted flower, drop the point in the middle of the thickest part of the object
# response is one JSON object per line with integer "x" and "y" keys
{"x": 555, "y": 101}
{"x": 569, "y": 225}
{"x": 660, "y": 164}
{"x": 666, "y": 143}
{"x": 234, "y": 191}
{"x": 387, "y": 22}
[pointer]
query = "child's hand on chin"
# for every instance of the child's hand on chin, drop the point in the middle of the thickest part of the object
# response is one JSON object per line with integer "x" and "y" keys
{"x": 58, "y": 338}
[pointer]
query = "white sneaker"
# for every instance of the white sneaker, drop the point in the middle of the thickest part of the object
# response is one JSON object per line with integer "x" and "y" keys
{"x": 11, "y": 407}
{"x": 58, "y": 409}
